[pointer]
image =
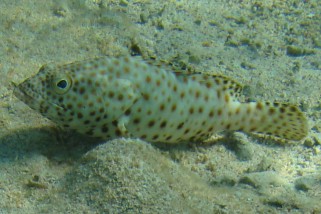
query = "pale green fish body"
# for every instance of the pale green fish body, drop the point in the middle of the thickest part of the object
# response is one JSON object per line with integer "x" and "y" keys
{"x": 111, "y": 97}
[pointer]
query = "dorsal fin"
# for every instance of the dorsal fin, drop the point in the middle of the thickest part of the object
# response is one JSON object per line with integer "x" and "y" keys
{"x": 209, "y": 80}
{"x": 169, "y": 65}
{"x": 213, "y": 80}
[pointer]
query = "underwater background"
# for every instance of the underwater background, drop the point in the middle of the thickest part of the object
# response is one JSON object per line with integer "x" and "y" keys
{"x": 272, "y": 47}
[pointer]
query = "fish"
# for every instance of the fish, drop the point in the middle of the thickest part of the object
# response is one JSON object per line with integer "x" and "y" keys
{"x": 112, "y": 97}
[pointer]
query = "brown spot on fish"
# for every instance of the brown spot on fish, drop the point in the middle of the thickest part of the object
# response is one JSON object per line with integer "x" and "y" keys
{"x": 151, "y": 123}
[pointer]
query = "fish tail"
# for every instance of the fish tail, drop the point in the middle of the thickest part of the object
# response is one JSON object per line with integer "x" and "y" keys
{"x": 279, "y": 119}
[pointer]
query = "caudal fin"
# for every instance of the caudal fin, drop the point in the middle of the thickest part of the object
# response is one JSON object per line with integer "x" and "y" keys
{"x": 278, "y": 119}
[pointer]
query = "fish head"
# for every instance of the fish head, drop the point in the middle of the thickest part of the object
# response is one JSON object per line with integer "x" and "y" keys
{"x": 60, "y": 93}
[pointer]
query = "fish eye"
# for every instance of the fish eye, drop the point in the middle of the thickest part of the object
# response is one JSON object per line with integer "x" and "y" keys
{"x": 62, "y": 85}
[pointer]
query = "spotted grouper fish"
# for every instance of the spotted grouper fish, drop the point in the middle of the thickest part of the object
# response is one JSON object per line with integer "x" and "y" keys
{"x": 127, "y": 96}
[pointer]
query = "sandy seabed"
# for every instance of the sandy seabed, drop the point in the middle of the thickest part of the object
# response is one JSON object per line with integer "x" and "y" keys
{"x": 271, "y": 47}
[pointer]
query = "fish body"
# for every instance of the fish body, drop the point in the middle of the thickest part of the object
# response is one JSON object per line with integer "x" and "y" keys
{"x": 126, "y": 96}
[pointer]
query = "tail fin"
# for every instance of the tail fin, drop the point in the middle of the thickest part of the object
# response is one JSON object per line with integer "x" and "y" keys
{"x": 278, "y": 119}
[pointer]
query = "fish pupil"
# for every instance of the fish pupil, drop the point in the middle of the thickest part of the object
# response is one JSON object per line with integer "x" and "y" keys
{"x": 62, "y": 84}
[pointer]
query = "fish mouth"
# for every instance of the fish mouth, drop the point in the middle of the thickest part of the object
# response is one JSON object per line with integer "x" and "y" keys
{"x": 30, "y": 97}
{"x": 27, "y": 96}
{"x": 21, "y": 94}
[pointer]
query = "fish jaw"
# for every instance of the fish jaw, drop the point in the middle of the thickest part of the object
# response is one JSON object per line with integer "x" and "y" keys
{"x": 23, "y": 93}
{"x": 35, "y": 100}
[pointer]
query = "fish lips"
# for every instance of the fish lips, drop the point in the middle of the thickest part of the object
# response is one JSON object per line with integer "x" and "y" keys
{"x": 21, "y": 94}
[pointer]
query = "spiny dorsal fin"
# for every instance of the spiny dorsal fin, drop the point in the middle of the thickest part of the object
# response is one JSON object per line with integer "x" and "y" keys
{"x": 220, "y": 82}
{"x": 209, "y": 80}
{"x": 173, "y": 66}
